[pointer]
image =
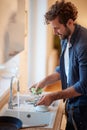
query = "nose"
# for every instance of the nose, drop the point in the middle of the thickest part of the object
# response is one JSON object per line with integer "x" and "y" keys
{"x": 55, "y": 31}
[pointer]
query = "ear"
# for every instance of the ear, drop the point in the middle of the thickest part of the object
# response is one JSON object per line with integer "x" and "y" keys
{"x": 70, "y": 22}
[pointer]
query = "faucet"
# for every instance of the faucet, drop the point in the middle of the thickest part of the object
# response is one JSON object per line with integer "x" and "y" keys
{"x": 10, "y": 102}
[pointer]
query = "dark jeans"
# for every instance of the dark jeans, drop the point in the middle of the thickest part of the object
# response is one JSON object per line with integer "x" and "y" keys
{"x": 69, "y": 126}
{"x": 79, "y": 116}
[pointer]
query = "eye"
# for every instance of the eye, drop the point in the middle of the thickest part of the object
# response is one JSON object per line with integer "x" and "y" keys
{"x": 55, "y": 28}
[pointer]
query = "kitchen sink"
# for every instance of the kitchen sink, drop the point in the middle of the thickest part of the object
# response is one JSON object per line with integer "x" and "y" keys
{"x": 27, "y": 113}
{"x": 30, "y": 119}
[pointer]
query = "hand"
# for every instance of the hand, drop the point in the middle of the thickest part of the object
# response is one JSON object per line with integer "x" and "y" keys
{"x": 37, "y": 86}
{"x": 33, "y": 86}
{"x": 35, "y": 89}
{"x": 46, "y": 100}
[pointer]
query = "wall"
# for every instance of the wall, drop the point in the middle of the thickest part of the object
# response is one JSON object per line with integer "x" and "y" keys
{"x": 49, "y": 39}
{"x": 82, "y": 9}
{"x": 6, "y": 9}
{"x": 12, "y": 28}
{"x": 24, "y": 55}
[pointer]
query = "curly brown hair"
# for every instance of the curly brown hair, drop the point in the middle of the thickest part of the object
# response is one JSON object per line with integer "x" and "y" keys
{"x": 63, "y": 10}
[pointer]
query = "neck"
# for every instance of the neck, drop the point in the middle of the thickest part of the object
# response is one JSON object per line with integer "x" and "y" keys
{"x": 72, "y": 29}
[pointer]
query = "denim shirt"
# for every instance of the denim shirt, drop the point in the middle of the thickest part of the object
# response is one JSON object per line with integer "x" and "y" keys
{"x": 77, "y": 64}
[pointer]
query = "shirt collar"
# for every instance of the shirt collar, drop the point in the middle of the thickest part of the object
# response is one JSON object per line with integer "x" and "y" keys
{"x": 75, "y": 34}
{"x": 73, "y": 37}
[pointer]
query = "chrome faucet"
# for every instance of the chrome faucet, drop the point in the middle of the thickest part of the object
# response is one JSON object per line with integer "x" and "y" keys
{"x": 10, "y": 102}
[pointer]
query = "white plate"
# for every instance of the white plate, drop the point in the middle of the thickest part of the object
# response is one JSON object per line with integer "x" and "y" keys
{"x": 41, "y": 108}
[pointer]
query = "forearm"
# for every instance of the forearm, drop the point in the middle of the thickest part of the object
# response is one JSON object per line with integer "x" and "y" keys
{"x": 65, "y": 94}
{"x": 50, "y": 79}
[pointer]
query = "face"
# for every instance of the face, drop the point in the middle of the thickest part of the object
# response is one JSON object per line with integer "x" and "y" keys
{"x": 59, "y": 29}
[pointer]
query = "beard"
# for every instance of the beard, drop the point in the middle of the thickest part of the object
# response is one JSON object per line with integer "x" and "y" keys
{"x": 66, "y": 35}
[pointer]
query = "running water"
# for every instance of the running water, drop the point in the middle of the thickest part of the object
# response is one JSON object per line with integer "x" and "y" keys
{"x": 18, "y": 97}
{"x": 18, "y": 93}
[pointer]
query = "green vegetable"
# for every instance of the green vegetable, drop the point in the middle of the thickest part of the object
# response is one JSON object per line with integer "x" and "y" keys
{"x": 39, "y": 91}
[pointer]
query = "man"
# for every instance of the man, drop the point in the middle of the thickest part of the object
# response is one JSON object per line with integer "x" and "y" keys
{"x": 73, "y": 65}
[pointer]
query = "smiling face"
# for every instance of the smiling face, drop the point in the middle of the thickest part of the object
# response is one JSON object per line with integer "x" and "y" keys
{"x": 59, "y": 29}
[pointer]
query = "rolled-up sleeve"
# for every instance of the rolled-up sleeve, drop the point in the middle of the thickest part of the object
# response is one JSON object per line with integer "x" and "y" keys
{"x": 57, "y": 69}
{"x": 81, "y": 87}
